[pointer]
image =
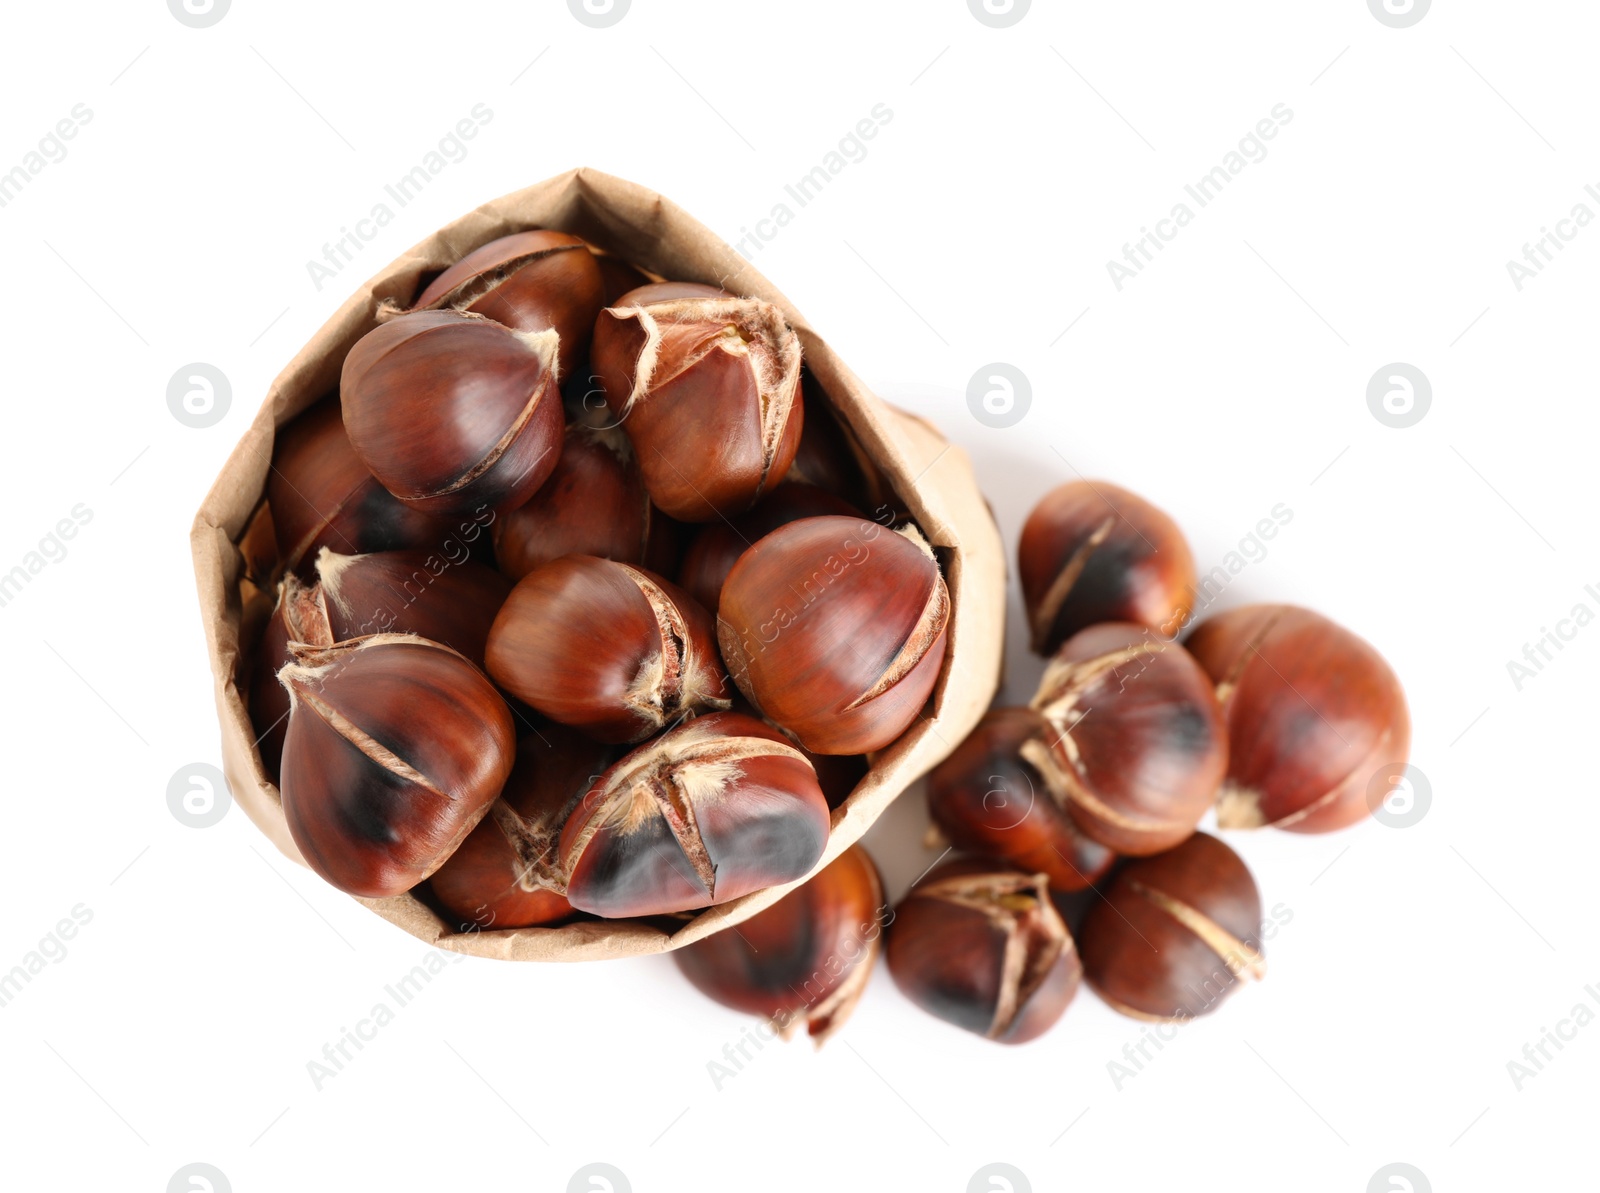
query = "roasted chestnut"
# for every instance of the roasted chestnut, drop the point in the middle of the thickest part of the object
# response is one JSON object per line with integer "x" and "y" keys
{"x": 396, "y": 748}
{"x": 411, "y": 592}
{"x": 593, "y": 504}
{"x": 1313, "y": 714}
{"x": 506, "y": 873}
{"x": 835, "y": 629}
{"x": 717, "y": 547}
{"x": 986, "y": 798}
{"x": 321, "y": 495}
{"x": 1137, "y": 748}
{"x": 606, "y": 648}
{"x": 717, "y": 808}
{"x": 1091, "y": 552}
{"x": 454, "y": 412}
{"x": 707, "y": 387}
{"x": 529, "y": 281}
{"x": 1176, "y": 933}
{"x": 986, "y": 950}
{"x": 804, "y": 961}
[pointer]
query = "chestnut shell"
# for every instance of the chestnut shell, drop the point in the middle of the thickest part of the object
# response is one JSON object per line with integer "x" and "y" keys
{"x": 1176, "y": 933}
{"x": 1313, "y": 714}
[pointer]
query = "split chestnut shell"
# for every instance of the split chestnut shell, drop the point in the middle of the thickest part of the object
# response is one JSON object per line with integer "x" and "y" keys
{"x": 454, "y": 412}
{"x": 717, "y": 808}
{"x": 396, "y": 748}
{"x": 707, "y": 386}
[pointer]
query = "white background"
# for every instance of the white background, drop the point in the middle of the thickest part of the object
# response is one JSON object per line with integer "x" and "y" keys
{"x": 1228, "y": 377}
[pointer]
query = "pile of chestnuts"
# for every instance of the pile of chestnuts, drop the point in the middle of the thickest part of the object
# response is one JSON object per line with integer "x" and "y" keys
{"x": 590, "y": 605}
{"x": 1271, "y": 714}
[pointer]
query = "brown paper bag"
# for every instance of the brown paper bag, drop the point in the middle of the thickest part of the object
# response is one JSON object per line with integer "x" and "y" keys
{"x": 933, "y": 479}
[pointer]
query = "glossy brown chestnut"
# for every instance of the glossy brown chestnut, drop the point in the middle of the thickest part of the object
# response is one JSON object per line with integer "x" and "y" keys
{"x": 717, "y": 547}
{"x": 717, "y": 808}
{"x": 411, "y": 592}
{"x": 322, "y": 495}
{"x": 986, "y": 798}
{"x": 707, "y": 387}
{"x": 453, "y": 411}
{"x": 593, "y": 504}
{"x": 1091, "y": 552}
{"x": 806, "y": 960}
{"x": 1175, "y": 933}
{"x": 606, "y": 648}
{"x": 986, "y": 950}
{"x": 1317, "y": 721}
{"x": 396, "y": 748}
{"x": 835, "y": 628}
{"x": 529, "y": 281}
{"x": 1137, "y": 748}
{"x": 506, "y": 873}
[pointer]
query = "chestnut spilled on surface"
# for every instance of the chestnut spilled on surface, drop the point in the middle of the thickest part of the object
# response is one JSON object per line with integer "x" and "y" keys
{"x": 1091, "y": 552}
{"x": 1314, "y": 714}
{"x": 806, "y": 960}
{"x": 985, "y": 949}
{"x": 987, "y": 798}
{"x": 1137, "y": 749}
{"x": 1175, "y": 933}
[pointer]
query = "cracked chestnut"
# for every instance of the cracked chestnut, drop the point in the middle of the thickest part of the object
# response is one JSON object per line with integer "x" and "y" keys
{"x": 984, "y": 949}
{"x": 1091, "y": 552}
{"x": 529, "y": 281}
{"x": 835, "y": 629}
{"x": 717, "y": 808}
{"x": 505, "y": 874}
{"x": 986, "y": 798}
{"x": 396, "y": 748}
{"x": 1136, "y": 747}
{"x": 1176, "y": 933}
{"x": 606, "y": 648}
{"x": 1314, "y": 715}
{"x": 805, "y": 961}
{"x": 706, "y": 385}
{"x": 452, "y": 411}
